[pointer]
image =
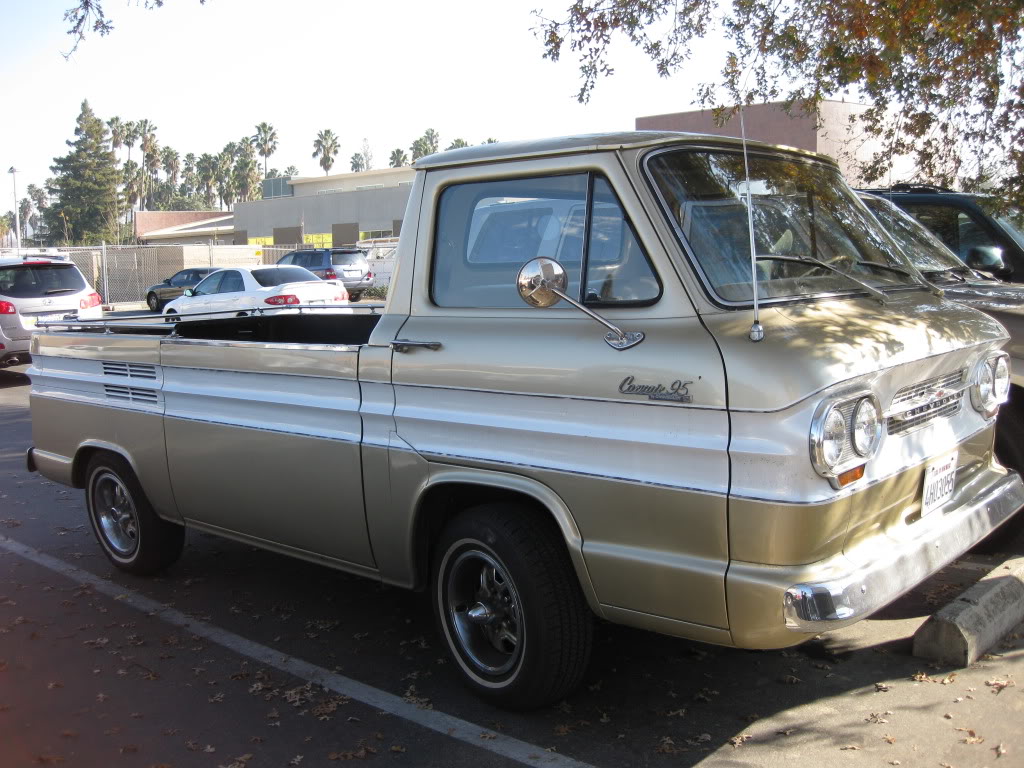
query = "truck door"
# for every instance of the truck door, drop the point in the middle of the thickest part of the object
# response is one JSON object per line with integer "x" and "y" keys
{"x": 633, "y": 441}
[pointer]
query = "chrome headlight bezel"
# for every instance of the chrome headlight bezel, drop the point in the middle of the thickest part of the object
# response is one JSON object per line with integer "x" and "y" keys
{"x": 845, "y": 405}
{"x": 985, "y": 396}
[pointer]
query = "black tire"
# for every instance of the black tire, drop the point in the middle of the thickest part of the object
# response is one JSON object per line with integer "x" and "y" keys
{"x": 130, "y": 533}
{"x": 171, "y": 316}
{"x": 153, "y": 303}
{"x": 355, "y": 296}
{"x": 1009, "y": 448}
{"x": 534, "y": 597}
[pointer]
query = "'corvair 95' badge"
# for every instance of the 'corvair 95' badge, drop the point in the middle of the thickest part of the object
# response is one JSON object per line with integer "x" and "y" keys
{"x": 676, "y": 391}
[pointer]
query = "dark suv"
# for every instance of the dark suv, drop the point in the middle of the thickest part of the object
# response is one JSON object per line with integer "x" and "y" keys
{"x": 345, "y": 265}
{"x": 985, "y": 235}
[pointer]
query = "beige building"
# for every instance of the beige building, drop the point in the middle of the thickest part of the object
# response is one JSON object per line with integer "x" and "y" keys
{"x": 771, "y": 123}
{"x": 326, "y": 211}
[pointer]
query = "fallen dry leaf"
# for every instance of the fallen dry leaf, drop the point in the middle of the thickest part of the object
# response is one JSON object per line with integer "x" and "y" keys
{"x": 971, "y": 737}
{"x": 786, "y": 732}
{"x": 997, "y": 686}
{"x": 882, "y": 687}
{"x": 999, "y": 749}
{"x": 850, "y": 746}
{"x": 397, "y": 748}
{"x": 737, "y": 741}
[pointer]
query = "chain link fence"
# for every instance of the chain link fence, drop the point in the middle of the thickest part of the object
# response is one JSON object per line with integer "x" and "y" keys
{"x": 122, "y": 274}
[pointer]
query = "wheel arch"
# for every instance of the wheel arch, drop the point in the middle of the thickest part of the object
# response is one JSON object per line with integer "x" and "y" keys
{"x": 88, "y": 449}
{"x": 449, "y": 491}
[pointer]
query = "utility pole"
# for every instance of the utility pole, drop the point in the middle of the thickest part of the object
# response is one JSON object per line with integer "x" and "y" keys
{"x": 17, "y": 226}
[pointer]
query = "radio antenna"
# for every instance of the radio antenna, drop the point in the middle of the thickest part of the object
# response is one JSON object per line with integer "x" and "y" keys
{"x": 756, "y": 330}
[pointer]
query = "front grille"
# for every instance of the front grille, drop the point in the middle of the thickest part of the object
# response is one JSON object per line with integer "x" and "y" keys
{"x": 939, "y": 397}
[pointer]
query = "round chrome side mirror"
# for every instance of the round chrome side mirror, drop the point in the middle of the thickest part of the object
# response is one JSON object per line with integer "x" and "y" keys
{"x": 537, "y": 278}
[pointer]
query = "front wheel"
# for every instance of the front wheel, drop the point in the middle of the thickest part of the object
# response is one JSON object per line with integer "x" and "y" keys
{"x": 355, "y": 296}
{"x": 153, "y": 302}
{"x": 509, "y": 606}
{"x": 131, "y": 534}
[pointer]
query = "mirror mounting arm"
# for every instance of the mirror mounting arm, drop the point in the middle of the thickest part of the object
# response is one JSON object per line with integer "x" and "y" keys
{"x": 616, "y": 338}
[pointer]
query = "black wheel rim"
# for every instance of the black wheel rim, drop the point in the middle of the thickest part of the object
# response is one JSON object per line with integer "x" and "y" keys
{"x": 483, "y": 612}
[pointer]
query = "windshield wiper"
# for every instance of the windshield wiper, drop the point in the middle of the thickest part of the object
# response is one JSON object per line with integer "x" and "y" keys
{"x": 60, "y": 290}
{"x": 879, "y": 295}
{"x": 917, "y": 275}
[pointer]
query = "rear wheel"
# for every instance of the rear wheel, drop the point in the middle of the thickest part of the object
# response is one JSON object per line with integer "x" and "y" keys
{"x": 509, "y": 606}
{"x": 355, "y": 296}
{"x": 171, "y": 316}
{"x": 133, "y": 537}
{"x": 153, "y": 302}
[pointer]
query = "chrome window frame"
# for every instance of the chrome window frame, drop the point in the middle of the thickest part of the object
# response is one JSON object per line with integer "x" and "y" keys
{"x": 694, "y": 262}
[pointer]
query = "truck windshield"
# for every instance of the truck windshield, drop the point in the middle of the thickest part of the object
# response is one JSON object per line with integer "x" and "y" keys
{"x": 925, "y": 250}
{"x": 812, "y": 235}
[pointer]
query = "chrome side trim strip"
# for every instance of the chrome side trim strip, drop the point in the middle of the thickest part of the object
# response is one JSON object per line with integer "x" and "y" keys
{"x": 260, "y": 429}
{"x": 179, "y": 342}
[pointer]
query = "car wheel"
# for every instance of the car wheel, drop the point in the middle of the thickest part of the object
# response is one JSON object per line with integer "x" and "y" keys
{"x": 131, "y": 534}
{"x": 170, "y": 316}
{"x": 355, "y": 296}
{"x": 153, "y": 302}
{"x": 509, "y": 606}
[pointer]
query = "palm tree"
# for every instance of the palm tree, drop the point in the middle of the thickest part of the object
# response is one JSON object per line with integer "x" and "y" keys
{"x": 398, "y": 158}
{"x": 25, "y": 211}
{"x": 150, "y": 158}
{"x": 37, "y": 195}
{"x": 246, "y": 176}
{"x": 225, "y": 169}
{"x": 358, "y": 163}
{"x": 458, "y": 144}
{"x": 325, "y": 146}
{"x": 290, "y": 171}
{"x": 419, "y": 149}
{"x": 432, "y": 140}
{"x": 266, "y": 142}
{"x": 131, "y": 176}
{"x": 171, "y": 162}
{"x": 131, "y": 135}
{"x": 188, "y": 174}
{"x": 117, "y": 132}
{"x": 206, "y": 176}
{"x": 490, "y": 141}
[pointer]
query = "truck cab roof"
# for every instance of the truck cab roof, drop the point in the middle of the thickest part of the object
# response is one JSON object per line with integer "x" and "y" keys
{"x": 590, "y": 142}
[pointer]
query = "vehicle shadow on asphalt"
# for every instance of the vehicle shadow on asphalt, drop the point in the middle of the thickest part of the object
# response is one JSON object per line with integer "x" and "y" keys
{"x": 13, "y": 377}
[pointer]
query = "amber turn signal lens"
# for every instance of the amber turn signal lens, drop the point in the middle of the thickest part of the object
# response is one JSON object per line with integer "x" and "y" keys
{"x": 850, "y": 475}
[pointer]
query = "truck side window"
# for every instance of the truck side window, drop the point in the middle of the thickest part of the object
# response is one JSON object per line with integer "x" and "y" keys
{"x": 617, "y": 267}
{"x": 487, "y": 230}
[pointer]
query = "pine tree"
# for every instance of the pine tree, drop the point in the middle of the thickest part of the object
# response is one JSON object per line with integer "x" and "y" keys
{"x": 85, "y": 184}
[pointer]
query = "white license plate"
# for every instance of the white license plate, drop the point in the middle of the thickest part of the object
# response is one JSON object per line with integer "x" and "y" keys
{"x": 30, "y": 321}
{"x": 316, "y": 301}
{"x": 352, "y": 273}
{"x": 939, "y": 482}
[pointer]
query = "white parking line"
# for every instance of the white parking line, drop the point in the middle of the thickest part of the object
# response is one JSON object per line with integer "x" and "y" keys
{"x": 447, "y": 725}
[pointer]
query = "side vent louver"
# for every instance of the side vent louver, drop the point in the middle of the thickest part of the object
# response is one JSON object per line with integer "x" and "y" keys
{"x": 131, "y": 370}
{"x": 130, "y": 394}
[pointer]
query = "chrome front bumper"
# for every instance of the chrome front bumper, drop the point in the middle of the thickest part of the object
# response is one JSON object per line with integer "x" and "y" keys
{"x": 819, "y": 606}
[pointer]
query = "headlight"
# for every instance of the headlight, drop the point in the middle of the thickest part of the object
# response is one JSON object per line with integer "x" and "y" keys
{"x": 867, "y": 427}
{"x": 833, "y": 438}
{"x": 991, "y": 384}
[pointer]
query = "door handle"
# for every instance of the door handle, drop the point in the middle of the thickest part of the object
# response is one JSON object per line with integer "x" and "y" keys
{"x": 404, "y": 345}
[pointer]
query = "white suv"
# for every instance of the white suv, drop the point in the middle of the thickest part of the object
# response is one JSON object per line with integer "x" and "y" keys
{"x": 34, "y": 289}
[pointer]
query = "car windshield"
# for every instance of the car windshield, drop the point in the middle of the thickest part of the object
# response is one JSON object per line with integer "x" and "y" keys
{"x": 281, "y": 275}
{"x": 811, "y": 233}
{"x": 924, "y": 249}
{"x": 1012, "y": 220}
{"x": 348, "y": 258}
{"x": 34, "y": 281}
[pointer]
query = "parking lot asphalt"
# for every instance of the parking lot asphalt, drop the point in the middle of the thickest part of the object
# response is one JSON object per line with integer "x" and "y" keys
{"x": 240, "y": 657}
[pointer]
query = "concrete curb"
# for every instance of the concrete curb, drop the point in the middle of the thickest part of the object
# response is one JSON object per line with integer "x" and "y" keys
{"x": 973, "y": 623}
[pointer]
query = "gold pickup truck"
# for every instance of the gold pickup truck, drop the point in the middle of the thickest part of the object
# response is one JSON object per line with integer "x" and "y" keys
{"x": 570, "y": 406}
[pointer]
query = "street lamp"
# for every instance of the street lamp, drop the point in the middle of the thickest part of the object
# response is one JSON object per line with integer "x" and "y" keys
{"x": 17, "y": 226}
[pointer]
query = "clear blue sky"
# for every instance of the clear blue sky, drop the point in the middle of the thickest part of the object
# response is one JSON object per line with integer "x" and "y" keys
{"x": 384, "y": 70}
